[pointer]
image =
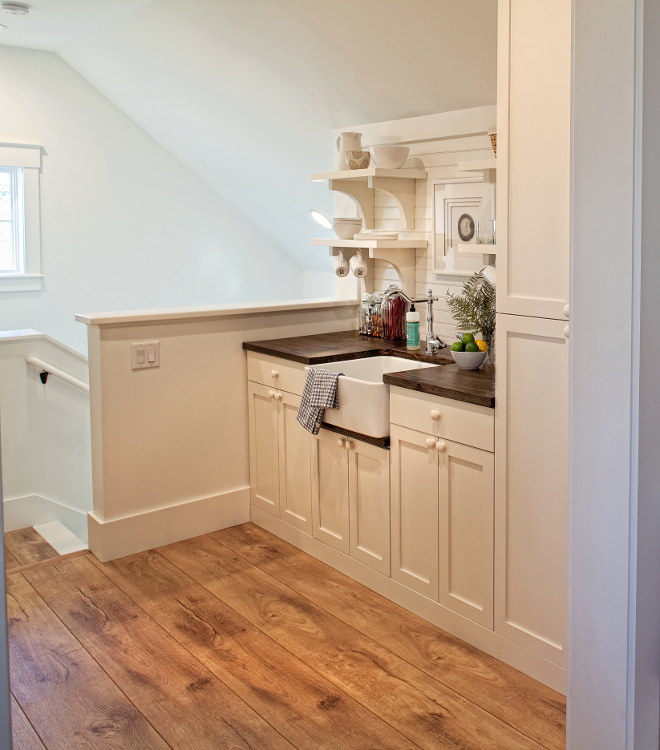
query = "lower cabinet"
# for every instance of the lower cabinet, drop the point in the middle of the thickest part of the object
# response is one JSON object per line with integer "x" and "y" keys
{"x": 280, "y": 456}
{"x": 442, "y": 521}
{"x": 531, "y": 522}
{"x": 351, "y": 498}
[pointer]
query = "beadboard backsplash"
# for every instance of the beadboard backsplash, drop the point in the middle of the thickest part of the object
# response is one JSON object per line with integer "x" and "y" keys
{"x": 440, "y": 142}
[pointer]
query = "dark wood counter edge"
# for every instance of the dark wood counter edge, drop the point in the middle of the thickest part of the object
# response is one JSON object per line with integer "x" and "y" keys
{"x": 378, "y": 442}
{"x": 456, "y": 394}
{"x": 355, "y": 347}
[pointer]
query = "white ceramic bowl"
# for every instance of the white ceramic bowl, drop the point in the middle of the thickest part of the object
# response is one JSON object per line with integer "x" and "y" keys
{"x": 469, "y": 360}
{"x": 389, "y": 157}
{"x": 346, "y": 230}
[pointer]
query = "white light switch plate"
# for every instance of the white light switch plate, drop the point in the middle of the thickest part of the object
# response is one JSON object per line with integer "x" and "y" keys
{"x": 145, "y": 355}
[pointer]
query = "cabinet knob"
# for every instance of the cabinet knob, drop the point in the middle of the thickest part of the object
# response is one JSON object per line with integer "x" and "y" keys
{"x": 349, "y": 445}
{"x": 274, "y": 373}
{"x": 440, "y": 446}
{"x": 340, "y": 443}
{"x": 435, "y": 415}
{"x": 566, "y": 311}
{"x": 277, "y": 396}
{"x": 566, "y": 331}
{"x": 271, "y": 394}
{"x": 430, "y": 442}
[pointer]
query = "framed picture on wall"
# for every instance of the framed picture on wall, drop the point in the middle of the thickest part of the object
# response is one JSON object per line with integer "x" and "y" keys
{"x": 457, "y": 206}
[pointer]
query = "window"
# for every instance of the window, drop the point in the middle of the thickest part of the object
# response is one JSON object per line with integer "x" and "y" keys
{"x": 12, "y": 220}
{"x": 20, "y": 226}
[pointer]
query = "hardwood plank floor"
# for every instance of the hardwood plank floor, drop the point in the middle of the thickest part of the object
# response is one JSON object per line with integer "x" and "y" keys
{"x": 521, "y": 702}
{"x": 27, "y": 546}
{"x": 237, "y": 640}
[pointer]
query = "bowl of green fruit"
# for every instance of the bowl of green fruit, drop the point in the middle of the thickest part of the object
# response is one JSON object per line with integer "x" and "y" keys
{"x": 469, "y": 353}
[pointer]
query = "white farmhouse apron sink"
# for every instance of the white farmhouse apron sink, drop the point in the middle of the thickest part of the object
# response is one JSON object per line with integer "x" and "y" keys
{"x": 364, "y": 400}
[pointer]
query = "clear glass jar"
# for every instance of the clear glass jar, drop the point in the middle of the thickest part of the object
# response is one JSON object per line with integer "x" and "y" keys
{"x": 364, "y": 313}
{"x": 394, "y": 316}
{"x": 377, "y": 316}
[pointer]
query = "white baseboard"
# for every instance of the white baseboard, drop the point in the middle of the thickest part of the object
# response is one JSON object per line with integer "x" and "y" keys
{"x": 510, "y": 653}
{"x": 119, "y": 537}
{"x": 34, "y": 510}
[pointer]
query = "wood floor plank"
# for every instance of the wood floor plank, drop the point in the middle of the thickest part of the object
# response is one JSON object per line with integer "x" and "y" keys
{"x": 184, "y": 701}
{"x": 520, "y": 701}
{"x": 307, "y": 709}
{"x": 28, "y": 546}
{"x": 23, "y": 735}
{"x": 422, "y": 709}
{"x": 10, "y": 560}
{"x": 67, "y": 697}
{"x": 46, "y": 563}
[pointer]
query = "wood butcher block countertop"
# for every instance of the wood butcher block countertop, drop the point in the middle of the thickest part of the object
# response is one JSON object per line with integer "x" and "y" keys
{"x": 447, "y": 380}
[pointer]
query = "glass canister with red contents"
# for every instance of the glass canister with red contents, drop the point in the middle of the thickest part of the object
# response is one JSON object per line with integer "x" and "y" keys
{"x": 395, "y": 308}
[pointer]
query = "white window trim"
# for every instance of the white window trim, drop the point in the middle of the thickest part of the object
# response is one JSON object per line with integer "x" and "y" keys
{"x": 29, "y": 158}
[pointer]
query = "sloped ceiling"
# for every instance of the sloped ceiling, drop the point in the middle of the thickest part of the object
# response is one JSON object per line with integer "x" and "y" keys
{"x": 246, "y": 93}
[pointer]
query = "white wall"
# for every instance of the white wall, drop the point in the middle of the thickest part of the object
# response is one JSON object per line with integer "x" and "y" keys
{"x": 124, "y": 224}
{"x": 46, "y": 441}
{"x": 247, "y": 93}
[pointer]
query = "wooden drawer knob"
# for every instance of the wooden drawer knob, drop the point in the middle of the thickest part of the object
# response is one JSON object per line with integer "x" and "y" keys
{"x": 271, "y": 394}
{"x": 430, "y": 442}
{"x": 440, "y": 446}
{"x": 566, "y": 311}
{"x": 435, "y": 415}
{"x": 566, "y": 331}
{"x": 274, "y": 373}
{"x": 340, "y": 443}
{"x": 349, "y": 445}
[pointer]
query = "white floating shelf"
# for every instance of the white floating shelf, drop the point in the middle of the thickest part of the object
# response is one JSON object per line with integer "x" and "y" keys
{"x": 370, "y": 244}
{"x": 357, "y": 174}
{"x": 478, "y": 165}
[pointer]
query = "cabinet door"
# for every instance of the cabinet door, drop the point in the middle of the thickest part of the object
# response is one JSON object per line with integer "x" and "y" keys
{"x": 294, "y": 465}
{"x": 414, "y": 499}
{"x": 531, "y": 484}
{"x": 369, "y": 502}
{"x": 330, "y": 513}
{"x": 264, "y": 468}
{"x": 466, "y": 499}
{"x": 533, "y": 156}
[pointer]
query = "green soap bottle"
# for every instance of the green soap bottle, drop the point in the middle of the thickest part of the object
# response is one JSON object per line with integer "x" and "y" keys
{"x": 412, "y": 328}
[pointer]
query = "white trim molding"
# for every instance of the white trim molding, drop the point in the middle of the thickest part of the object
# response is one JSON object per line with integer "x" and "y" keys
{"x": 129, "y": 535}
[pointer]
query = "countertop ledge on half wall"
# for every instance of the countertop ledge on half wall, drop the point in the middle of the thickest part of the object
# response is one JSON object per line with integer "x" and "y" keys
{"x": 130, "y": 317}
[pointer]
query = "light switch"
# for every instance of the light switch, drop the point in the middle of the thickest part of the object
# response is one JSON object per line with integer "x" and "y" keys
{"x": 145, "y": 355}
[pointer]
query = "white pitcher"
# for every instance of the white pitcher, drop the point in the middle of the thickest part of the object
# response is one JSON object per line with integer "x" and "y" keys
{"x": 348, "y": 142}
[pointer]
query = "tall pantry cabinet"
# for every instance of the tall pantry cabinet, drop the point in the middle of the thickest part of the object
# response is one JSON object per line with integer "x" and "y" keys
{"x": 531, "y": 413}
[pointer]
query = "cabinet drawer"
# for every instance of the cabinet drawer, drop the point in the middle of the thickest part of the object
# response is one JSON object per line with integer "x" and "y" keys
{"x": 290, "y": 376}
{"x": 458, "y": 421}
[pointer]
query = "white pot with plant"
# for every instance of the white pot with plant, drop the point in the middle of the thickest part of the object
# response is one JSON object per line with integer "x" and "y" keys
{"x": 474, "y": 312}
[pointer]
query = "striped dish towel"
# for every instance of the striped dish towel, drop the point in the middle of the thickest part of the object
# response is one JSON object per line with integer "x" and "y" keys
{"x": 319, "y": 394}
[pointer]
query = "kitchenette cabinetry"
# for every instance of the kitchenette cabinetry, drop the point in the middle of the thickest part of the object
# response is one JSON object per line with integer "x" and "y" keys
{"x": 351, "y": 498}
{"x": 280, "y": 455}
{"x": 442, "y": 508}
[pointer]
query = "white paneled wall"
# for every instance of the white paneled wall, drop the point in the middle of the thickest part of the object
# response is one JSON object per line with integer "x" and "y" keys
{"x": 440, "y": 157}
{"x": 440, "y": 142}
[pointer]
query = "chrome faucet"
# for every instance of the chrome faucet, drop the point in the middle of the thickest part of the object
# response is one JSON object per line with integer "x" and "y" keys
{"x": 433, "y": 343}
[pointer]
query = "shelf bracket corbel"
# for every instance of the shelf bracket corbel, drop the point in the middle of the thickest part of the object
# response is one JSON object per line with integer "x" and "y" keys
{"x": 363, "y": 196}
{"x": 403, "y": 192}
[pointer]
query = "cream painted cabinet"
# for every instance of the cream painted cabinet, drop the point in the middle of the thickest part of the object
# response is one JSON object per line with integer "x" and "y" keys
{"x": 531, "y": 437}
{"x": 351, "y": 498}
{"x": 280, "y": 456}
{"x": 442, "y": 521}
{"x": 533, "y": 157}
